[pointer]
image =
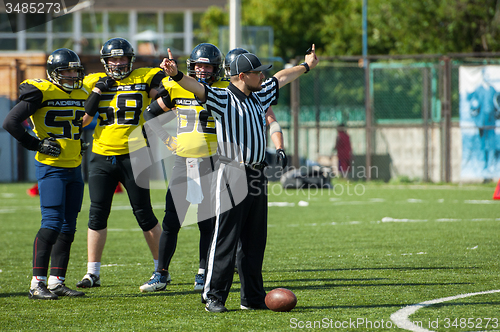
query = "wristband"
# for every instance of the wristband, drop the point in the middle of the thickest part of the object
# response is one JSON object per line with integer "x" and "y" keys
{"x": 178, "y": 77}
{"x": 306, "y": 66}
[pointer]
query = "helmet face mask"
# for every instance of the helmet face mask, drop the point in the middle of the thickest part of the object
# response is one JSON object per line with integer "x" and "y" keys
{"x": 115, "y": 48}
{"x": 205, "y": 54}
{"x": 65, "y": 59}
{"x": 230, "y": 56}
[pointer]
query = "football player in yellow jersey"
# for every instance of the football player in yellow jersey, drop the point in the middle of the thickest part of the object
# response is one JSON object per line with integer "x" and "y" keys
{"x": 119, "y": 97}
{"x": 55, "y": 108}
{"x": 194, "y": 145}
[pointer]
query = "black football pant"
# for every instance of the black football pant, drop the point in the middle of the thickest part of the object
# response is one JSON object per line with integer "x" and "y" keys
{"x": 245, "y": 222}
{"x": 105, "y": 172}
{"x": 176, "y": 209}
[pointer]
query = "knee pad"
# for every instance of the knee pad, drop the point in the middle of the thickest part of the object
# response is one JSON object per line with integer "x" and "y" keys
{"x": 146, "y": 219}
{"x": 171, "y": 223}
{"x": 96, "y": 224}
{"x": 98, "y": 217}
{"x": 68, "y": 238}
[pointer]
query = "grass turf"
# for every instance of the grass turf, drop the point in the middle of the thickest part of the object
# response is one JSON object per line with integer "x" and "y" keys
{"x": 357, "y": 253}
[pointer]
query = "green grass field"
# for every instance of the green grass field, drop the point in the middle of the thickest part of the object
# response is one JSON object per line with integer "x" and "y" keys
{"x": 353, "y": 256}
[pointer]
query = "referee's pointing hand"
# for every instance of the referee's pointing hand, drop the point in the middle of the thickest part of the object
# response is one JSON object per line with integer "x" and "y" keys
{"x": 311, "y": 58}
{"x": 169, "y": 65}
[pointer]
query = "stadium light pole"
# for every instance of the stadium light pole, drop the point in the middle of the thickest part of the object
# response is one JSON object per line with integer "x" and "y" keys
{"x": 365, "y": 37}
{"x": 368, "y": 117}
{"x": 234, "y": 24}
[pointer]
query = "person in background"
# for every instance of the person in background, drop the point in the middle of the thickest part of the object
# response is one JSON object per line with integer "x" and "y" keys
{"x": 56, "y": 108}
{"x": 344, "y": 150}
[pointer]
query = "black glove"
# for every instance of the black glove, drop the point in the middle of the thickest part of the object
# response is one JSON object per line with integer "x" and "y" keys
{"x": 84, "y": 147}
{"x": 281, "y": 157}
{"x": 105, "y": 83}
{"x": 50, "y": 146}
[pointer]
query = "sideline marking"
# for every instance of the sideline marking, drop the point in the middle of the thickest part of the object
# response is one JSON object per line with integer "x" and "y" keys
{"x": 400, "y": 317}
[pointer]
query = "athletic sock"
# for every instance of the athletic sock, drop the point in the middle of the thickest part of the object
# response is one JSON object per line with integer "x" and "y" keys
{"x": 54, "y": 281}
{"x": 156, "y": 264}
{"x": 201, "y": 271}
{"x": 94, "y": 268}
{"x": 36, "y": 279}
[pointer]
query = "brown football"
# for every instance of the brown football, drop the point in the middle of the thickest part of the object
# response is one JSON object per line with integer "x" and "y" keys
{"x": 281, "y": 299}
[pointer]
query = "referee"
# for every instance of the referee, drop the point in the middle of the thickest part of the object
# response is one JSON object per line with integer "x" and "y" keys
{"x": 239, "y": 111}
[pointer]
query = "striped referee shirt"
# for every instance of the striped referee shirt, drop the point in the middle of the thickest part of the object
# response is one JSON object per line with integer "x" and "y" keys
{"x": 241, "y": 121}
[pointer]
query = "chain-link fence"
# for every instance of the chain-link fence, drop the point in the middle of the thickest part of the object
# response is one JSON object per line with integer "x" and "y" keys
{"x": 403, "y": 112}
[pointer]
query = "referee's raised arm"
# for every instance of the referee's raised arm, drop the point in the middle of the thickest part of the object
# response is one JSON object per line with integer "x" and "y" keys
{"x": 287, "y": 75}
{"x": 186, "y": 82}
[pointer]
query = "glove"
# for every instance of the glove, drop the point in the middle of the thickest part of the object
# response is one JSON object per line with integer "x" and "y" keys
{"x": 84, "y": 147}
{"x": 281, "y": 157}
{"x": 171, "y": 143}
{"x": 49, "y": 146}
{"x": 105, "y": 83}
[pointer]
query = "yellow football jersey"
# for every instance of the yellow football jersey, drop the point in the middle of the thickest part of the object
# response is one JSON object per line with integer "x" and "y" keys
{"x": 120, "y": 111}
{"x": 59, "y": 115}
{"x": 196, "y": 135}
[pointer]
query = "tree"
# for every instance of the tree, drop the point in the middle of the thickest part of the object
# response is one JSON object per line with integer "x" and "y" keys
{"x": 394, "y": 26}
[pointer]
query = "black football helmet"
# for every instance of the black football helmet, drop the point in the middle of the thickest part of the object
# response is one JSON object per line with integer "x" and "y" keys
{"x": 117, "y": 47}
{"x": 209, "y": 54}
{"x": 65, "y": 59}
{"x": 230, "y": 56}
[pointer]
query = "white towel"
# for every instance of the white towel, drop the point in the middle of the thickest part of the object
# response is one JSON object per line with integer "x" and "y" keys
{"x": 194, "y": 193}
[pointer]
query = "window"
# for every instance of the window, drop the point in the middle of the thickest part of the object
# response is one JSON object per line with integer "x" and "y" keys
{"x": 63, "y": 24}
{"x": 8, "y": 44}
{"x": 173, "y": 22}
{"x": 62, "y": 43}
{"x": 92, "y": 22}
{"x": 5, "y": 23}
{"x": 118, "y": 23}
{"x": 147, "y": 21}
{"x": 91, "y": 45}
{"x": 36, "y": 22}
{"x": 36, "y": 44}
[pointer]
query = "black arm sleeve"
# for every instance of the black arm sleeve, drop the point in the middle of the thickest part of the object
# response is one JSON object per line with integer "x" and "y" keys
{"x": 156, "y": 81}
{"x": 13, "y": 124}
{"x": 92, "y": 104}
{"x": 155, "y": 118}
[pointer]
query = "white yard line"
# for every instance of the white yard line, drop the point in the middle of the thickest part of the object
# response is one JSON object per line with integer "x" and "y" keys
{"x": 401, "y": 317}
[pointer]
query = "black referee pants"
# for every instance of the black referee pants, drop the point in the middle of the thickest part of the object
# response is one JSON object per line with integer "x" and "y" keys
{"x": 245, "y": 222}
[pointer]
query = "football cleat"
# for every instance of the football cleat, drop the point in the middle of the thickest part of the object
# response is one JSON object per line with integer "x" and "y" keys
{"x": 88, "y": 281}
{"x": 157, "y": 282}
{"x": 254, "y": 307}
{"x": 215, "y": 306}
{"x": 42, "y": 293}
{"x": 199, "y": 282}
{"x": 62, "y": 290}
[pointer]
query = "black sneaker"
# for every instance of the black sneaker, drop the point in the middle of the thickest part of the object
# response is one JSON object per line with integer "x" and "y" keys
{"x": 215, "y": 306}
{"x": 89, "y": 280}
{"x": 261, "y": 306}
{"x": 62, "y": 290}
{"x": 42, "y": 293}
